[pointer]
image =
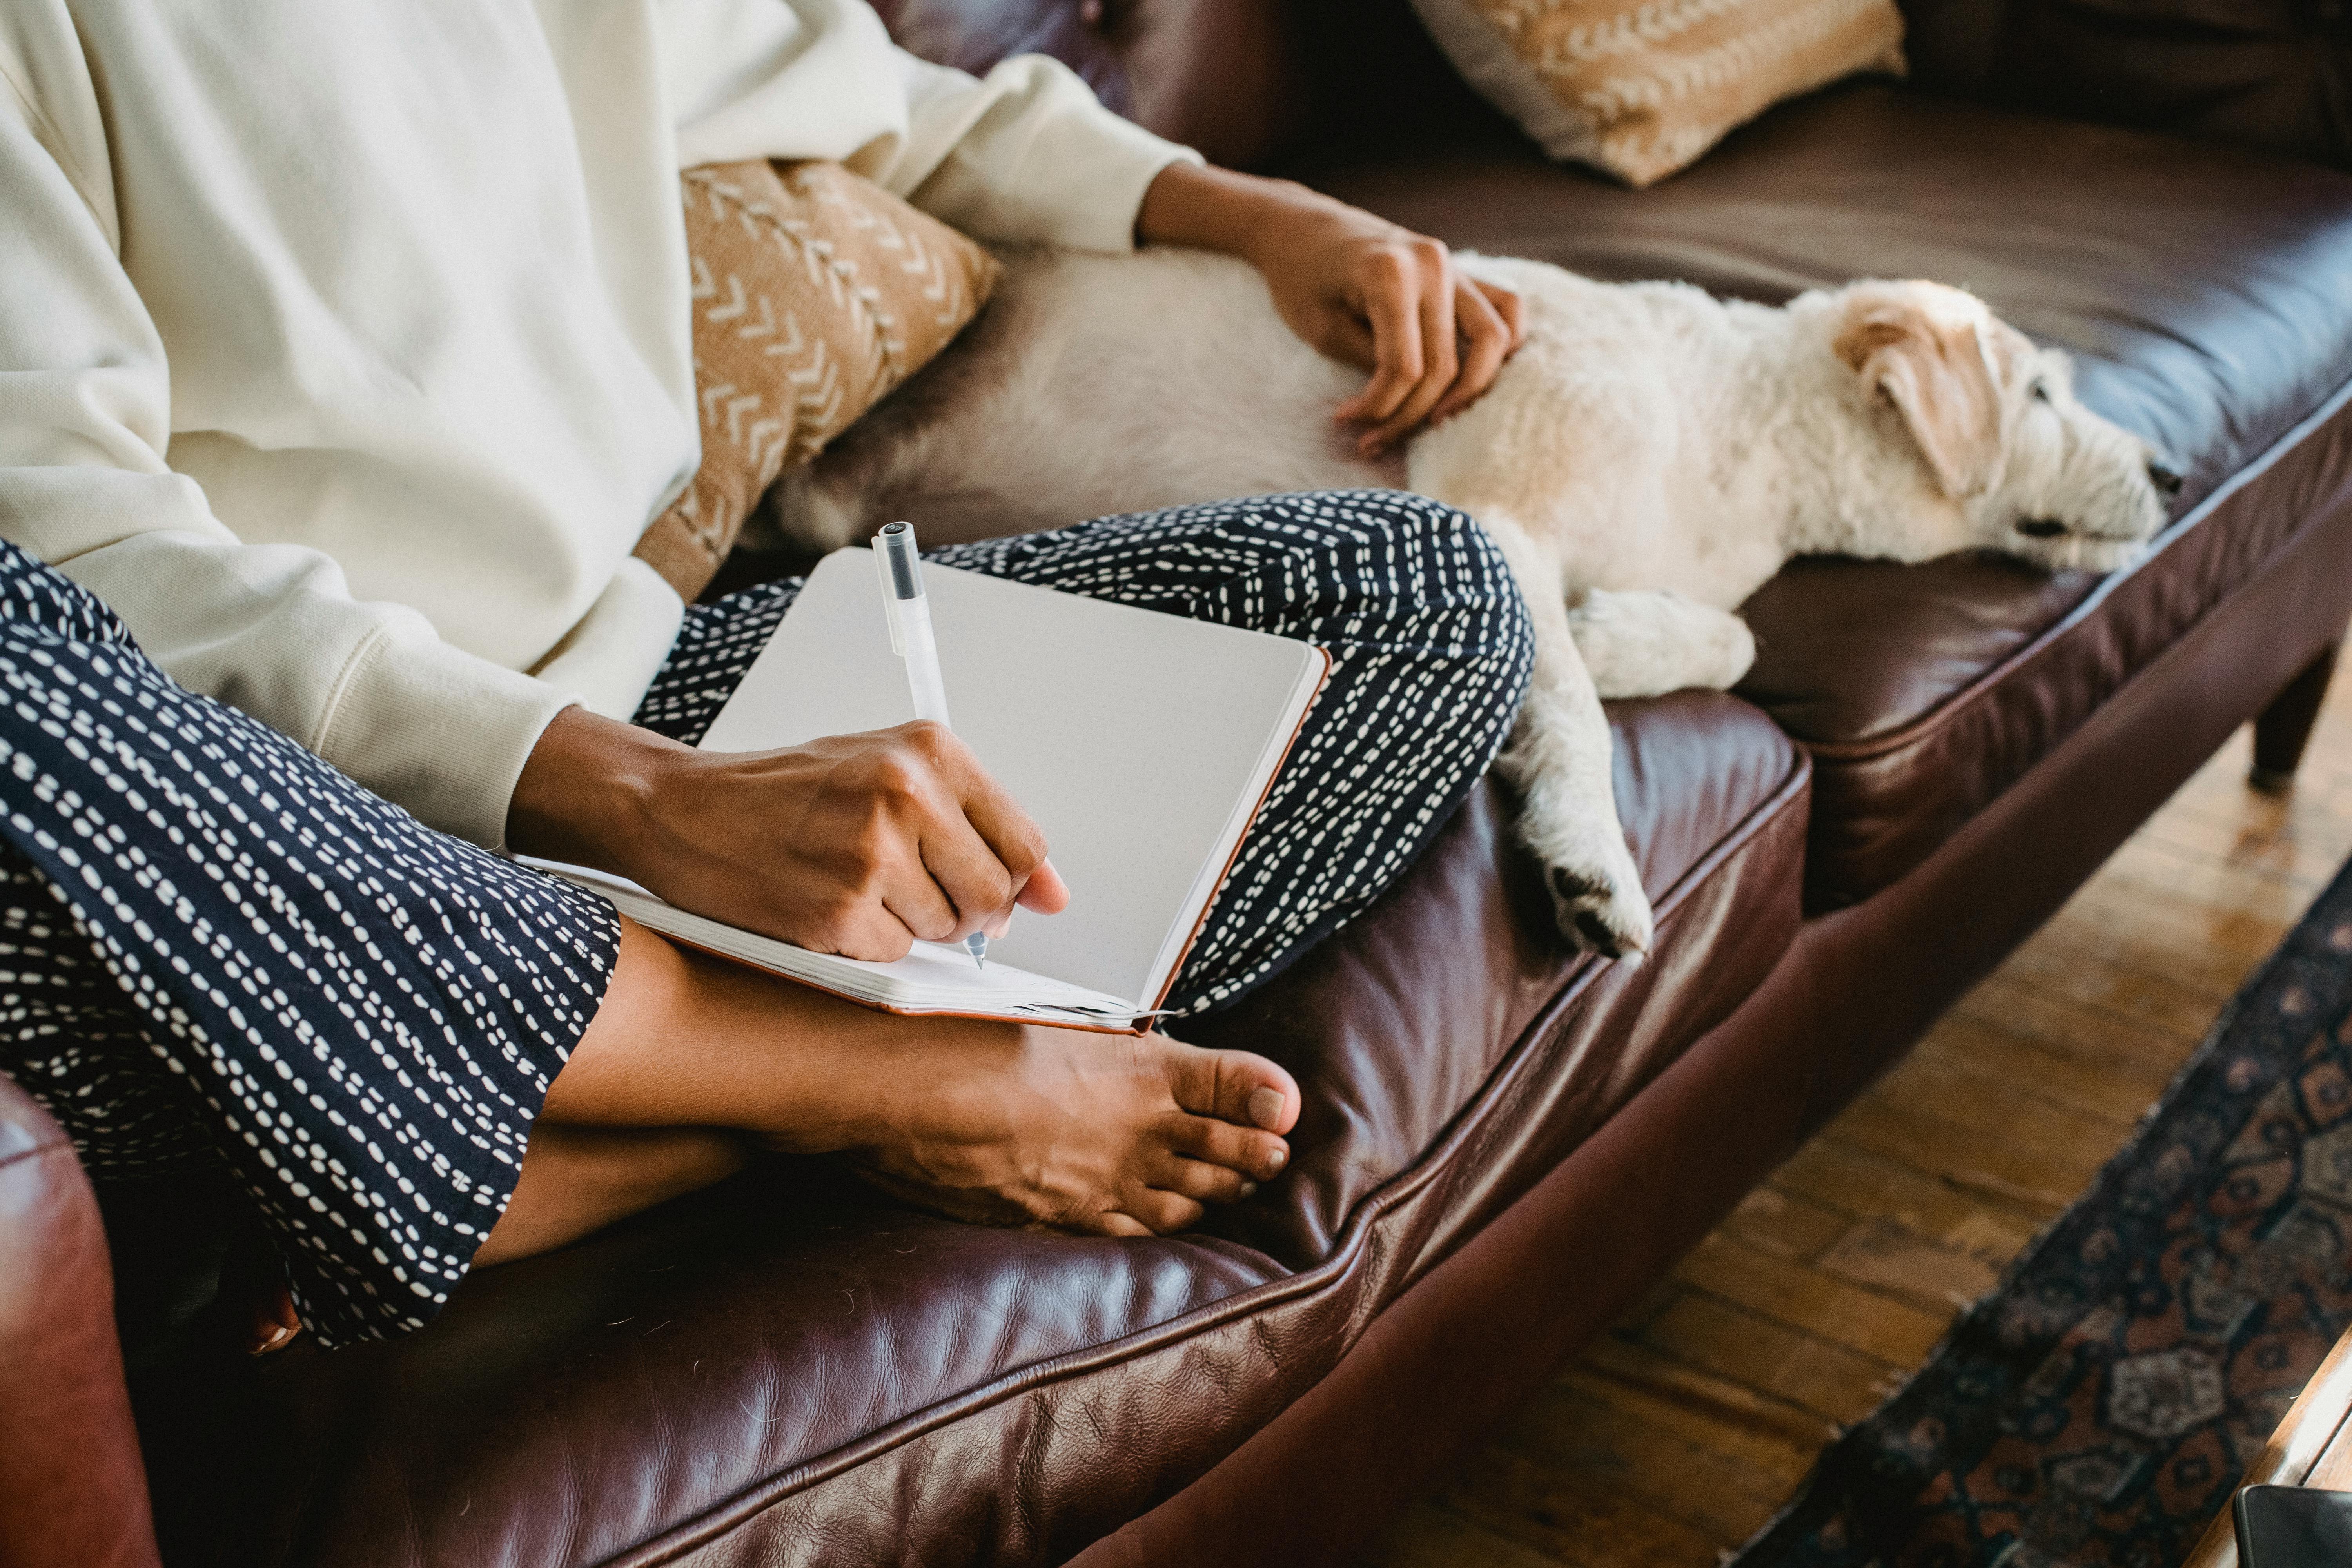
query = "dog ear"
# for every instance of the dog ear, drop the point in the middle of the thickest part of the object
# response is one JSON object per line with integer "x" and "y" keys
{"x": 1924, "y": 348}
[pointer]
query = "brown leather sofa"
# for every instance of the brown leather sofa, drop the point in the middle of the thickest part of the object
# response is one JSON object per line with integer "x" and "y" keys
{"x": 1503, "y": 1144}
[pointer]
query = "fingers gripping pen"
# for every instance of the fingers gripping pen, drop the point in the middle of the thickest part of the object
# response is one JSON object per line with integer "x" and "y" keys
{"x": 909, "y": 610}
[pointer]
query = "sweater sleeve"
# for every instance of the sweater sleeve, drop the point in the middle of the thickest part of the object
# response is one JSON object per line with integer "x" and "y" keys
{"x": 1025, "y": 155}
{"x": 85, "y": 422}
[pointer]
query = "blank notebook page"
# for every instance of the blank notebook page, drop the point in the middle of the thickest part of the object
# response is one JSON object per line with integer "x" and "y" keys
{"x": 1139, "y": 741}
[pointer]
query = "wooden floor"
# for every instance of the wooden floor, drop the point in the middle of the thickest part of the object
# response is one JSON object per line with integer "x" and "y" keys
{"x": 1683, "y": 1428}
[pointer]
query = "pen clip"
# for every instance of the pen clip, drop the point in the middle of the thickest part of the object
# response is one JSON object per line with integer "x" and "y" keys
{"x": 889, "y": 600}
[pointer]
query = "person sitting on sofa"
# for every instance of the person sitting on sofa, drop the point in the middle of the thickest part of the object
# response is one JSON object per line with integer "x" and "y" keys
{"x": 346, "y": 359}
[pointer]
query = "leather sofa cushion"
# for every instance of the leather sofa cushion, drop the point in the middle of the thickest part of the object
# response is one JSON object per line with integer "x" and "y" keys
{"x": 748, "y": 1342}
{"x": 2202, "y": 291}
{"x": 1360, "y": 1023}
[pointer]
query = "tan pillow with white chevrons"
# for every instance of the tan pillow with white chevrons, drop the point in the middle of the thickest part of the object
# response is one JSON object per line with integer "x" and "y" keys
{"x": 1638, "y": 89}
{"x": 815, "y": 293}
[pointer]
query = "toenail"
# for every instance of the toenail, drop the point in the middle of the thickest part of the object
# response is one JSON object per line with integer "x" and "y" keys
{"x": 1277, "y": 1159}
{"x": 1266, "y": 1107}
{"x": 1249, "y": 1189}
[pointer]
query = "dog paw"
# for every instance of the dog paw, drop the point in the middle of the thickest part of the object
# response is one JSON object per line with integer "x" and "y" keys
{"x": 1601, "y": 908}
{"x": 1646, "y": 642}
{"x": 1721, "y": 652}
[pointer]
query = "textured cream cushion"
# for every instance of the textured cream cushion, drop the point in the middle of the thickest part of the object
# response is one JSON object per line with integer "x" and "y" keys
{"x": 1638, "y": 89}
{"x": 815, "y": 293}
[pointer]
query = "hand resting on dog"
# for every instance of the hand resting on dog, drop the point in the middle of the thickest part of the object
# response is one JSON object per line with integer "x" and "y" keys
{"x": 1354, "y": 286}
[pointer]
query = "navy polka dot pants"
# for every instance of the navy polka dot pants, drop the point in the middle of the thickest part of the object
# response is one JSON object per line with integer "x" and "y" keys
{"x": 214, "y": 950}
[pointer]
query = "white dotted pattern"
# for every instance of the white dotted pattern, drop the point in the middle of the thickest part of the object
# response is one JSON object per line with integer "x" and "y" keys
{"x": 275, "y": 968}
{"x": 215, "y": 948}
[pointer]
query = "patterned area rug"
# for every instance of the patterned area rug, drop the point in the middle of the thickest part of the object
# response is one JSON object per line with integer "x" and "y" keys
{"x": 2098, "y": 1408}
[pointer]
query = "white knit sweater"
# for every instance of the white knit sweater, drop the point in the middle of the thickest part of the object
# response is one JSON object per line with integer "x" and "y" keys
{"x": 344, "y": 347}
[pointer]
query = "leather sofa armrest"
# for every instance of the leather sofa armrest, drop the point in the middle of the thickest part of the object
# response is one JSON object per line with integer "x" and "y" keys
{"x": 73, "y": 1490}
{"x": 2271, "y": 73}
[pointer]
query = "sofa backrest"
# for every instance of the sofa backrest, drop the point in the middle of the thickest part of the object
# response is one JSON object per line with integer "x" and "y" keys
{"x": 2273, "y": 74}
{"x": 1260, "y": 84}
{"x": 1212, "y": 74}
{"x": 1253, "y": 84}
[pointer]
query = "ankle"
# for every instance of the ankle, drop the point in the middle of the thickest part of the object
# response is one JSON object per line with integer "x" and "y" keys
{"x": 930, "y": 1074}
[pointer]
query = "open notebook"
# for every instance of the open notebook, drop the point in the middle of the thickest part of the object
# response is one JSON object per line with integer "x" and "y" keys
{"x": 1141, "y": 743}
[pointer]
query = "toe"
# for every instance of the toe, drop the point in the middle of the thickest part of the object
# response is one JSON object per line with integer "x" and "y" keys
{"x": 1165, "y": 1214}
{"x": 1236, "y": 1085}
{"x": 1201, "y": 1181}
{"x": 1259, "y": 1156}
{"x": 1113, "y": 1222}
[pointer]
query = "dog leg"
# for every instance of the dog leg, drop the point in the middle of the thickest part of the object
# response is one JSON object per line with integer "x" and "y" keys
{"x": 1558, "y": 760}
{"x": 1648, "y": 642}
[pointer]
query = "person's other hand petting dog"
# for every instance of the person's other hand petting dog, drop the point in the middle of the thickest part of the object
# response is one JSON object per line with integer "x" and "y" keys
{"x": 1354, "y": 286}
{"x": 1648, "y": 459}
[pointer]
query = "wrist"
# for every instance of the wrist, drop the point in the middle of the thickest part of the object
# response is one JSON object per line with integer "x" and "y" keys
{"x": 588, "y": 792}
{"x": 1218, "y": 209}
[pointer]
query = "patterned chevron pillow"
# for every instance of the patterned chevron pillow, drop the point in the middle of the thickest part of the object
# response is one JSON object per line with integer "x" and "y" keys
{"x": 1638, "y": 89}
{"x": 815, "y": 292}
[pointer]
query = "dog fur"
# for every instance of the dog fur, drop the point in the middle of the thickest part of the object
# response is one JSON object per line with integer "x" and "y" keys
{"x": 1648, "y": 459}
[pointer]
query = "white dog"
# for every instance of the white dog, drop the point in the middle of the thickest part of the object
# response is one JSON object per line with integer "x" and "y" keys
{"x": 1646, "y": 461}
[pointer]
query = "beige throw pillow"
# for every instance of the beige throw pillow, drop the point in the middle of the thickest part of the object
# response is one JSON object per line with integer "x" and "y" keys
{"x": 815, "y": 292}
{"x": 1638, "y": 89}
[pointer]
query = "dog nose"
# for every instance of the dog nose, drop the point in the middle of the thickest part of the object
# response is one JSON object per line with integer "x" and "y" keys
{"x": 2163, "y": 478}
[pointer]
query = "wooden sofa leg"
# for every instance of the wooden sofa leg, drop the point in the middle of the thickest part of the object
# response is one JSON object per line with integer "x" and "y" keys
{"x": 2281, "y": 729}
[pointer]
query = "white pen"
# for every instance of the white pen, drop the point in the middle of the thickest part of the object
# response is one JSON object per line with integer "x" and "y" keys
{"x": 909, "y": 610}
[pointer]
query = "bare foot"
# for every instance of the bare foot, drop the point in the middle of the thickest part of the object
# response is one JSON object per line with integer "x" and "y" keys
{"x": 1113, "y": 1134}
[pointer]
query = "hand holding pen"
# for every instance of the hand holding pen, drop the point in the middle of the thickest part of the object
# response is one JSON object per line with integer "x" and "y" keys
{"x": 909, "y": 610}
